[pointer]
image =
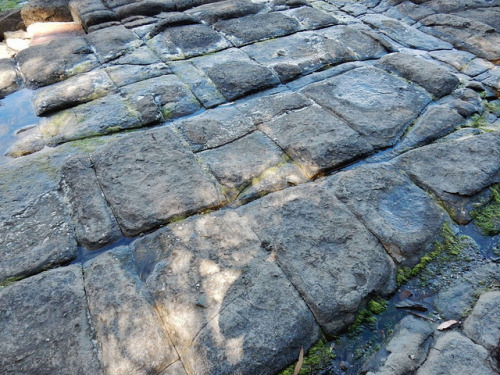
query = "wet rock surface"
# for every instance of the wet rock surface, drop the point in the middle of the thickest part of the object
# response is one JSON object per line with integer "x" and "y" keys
{"x": 284, "y": 165}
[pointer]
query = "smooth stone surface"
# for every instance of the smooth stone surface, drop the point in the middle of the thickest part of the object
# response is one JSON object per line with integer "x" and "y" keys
{"x": 475, "y": 37}
{"x": 112, "y": 42}
{"x": 237, "y": 163}
{"x": 156, "y": 181}
{"x": 482, "y": 325}
{"x": 235, "y": 74}
{"x": 62, "y": 58}
{"x": 106, "y": 115}
{"x": 437, "y": 121}
{"x": 455, "y": 354}
{"x": 223, "y": 10}
{"x": 123, "y": 75}
{"x": 328, "y": 255}
{"x": 461, "y": 168}
{"x": 407, "y": 348}
{"x": 94, "y": 223}
{"x": 215, "y": 128}
{"x": 405, "y": 34}
{"x": 225, "y": 302}
{"x": 402, "y": 216}
{"x": 129, "y": 330}
{"x": 377, "y": 105}
{"x": 187, "y": 41}
{"x": 45, "y": 328}
{"x": 436, "y": 80}
{"x": 75, "y": 90}
{"x": 254, "y": 28}
{"x": 316, "y": 139}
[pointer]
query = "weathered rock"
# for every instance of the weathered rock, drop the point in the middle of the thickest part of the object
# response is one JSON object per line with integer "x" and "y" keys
{"x": 407, "y": 348}
{"x": 435, "y": 79}
{"x": 413, "y": 10}
{"x": 405, "y": 34}
{"x": 455, "y": 170}
{"x": 46, "y": 11}
{"x": 172, "y": 96}
{"x": 144, "y": 8}
{"x": 225, "y": 302}
{"x": 301, "y": 53}
{"x": 75, "y": 90}
{"x": 328, "y": 255}
{"x": 235, "y": 74}
{"x": 377, "y": 105}
{"x": 109, "y": 114}
{"x": 91, "y": 13}
{"x": 273, "y": 179}
{"x": 112, "y": 42}
{"x": 62, "y": 58}
{"x": 177, "y": 43}
{"x": 477, "y": 66}
{"x": 123, "y": 75}
{"x": 156, "y": 181}
{"x": 139, "y": 56}
{"x": 475, "y": 37}
{"x": 237, "y": 163}
{"x": 9, "y": 81}
{"x": 482, "y": 325}
{"x": 257, "y": 27}
{"x": 455, "y": 354}
{"x": 436, "y": 122}
{"x": 457, "y": 59}
{"x": 34, "y": 230}
{"x": 10, "y": 21}
{"x": 129, "y": 330}
{"x": 312, "y": 18}
{"x": 29, "y": 141}
{"x": 223, "y": 10}
{"x": 316, "y": 139}
{"x": 45, "y": 327}
{"x": 266, "y": 108}
{"x": 198, "y": 83}
{"x": 176, "y": 368}
{"x": 215, "y": 128}
{"x": 93, "y": 220}
{"x": 403, "y": 217}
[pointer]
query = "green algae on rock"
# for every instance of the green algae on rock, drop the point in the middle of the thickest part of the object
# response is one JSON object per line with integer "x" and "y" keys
{"x": 487, "y": 215}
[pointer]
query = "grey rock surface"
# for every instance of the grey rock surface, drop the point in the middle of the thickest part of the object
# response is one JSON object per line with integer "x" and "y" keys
{"x": 146, "y": 188}
{"x": 402, "y": 216}
{"x": 129, "y": 330}
{"x": 442, "y": 359}
{"x": 316, "y": 140}
{"x": 212, "y": 275}
{"x": 374, "y": 103}
{"x": 94, "y": 223}
{"x": 75, "y": 90}
{"x": 113, "y": 42}
{"x": 482, "y": 326}
{"x": 45, "y": 327}
{"x": 328, "y": 255}
{"x": 433, "y": 78}
{"x": 9, "y": 80}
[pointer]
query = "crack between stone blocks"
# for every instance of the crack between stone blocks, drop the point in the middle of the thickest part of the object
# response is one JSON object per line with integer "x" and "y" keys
{"x": 92, "y": 166}
{"x": 97, "y": 345}
{"x": 301, "y": 296}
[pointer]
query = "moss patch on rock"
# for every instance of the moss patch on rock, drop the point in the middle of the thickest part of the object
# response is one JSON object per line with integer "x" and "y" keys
{"x": 10, "y": 4}
{"x": 318, "y": 357}
{"x": 487, "y": 215}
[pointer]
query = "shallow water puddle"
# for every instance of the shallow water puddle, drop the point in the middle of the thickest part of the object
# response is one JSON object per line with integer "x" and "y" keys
{"x": 16, "y": 112}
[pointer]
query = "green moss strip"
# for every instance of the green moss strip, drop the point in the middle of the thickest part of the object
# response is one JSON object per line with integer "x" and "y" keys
{"x": 487, "y": 215}
{"x": 317, "y": 358}
{"x": 10, "y": 281}
{"x": 366, "y": 317}
{"x": 450, "y": 245}
{"x": 9, "y": 4}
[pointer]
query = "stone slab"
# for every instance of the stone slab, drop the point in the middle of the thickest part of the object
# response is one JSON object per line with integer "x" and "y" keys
{"x": 128, "y": 328}
{"x": 156, "y": 181}
{"x": 328, "y": 255}
{"x": 482, "y": 325}
{"x": 376, "y": 104}
{"x": 226, "y": 303}
{"x": 402, "y": 216}
{"x": 94, "y": 223}
{"x": 44, "y": 325}
{"x": 316, "y": 140}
